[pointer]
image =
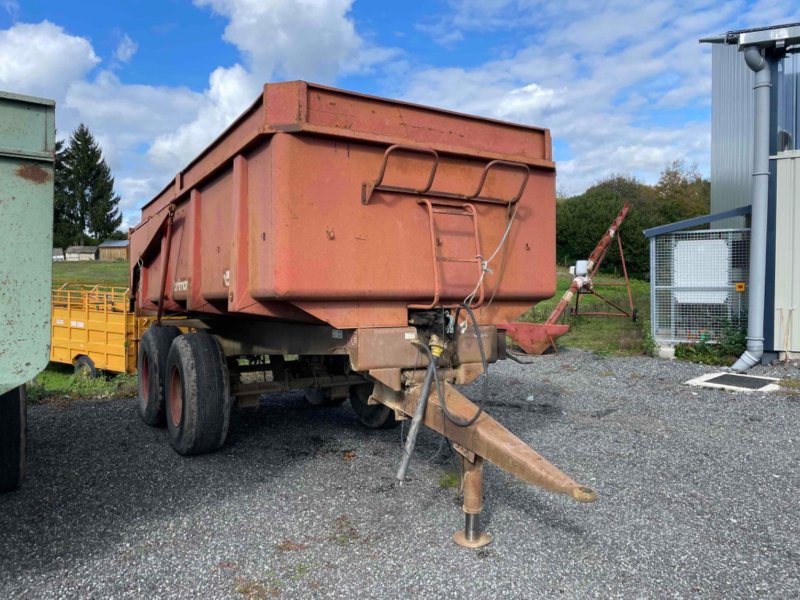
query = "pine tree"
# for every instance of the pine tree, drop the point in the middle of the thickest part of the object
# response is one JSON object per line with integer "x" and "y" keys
{"x": 65, "y": 218}
{"x": 88, "y": 187}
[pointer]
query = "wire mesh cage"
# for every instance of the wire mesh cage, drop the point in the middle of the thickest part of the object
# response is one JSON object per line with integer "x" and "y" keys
{"x": 699, "y": 284}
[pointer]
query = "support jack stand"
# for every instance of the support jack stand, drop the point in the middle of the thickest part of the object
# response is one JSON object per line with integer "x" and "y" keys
{"x": 472, "y": 536}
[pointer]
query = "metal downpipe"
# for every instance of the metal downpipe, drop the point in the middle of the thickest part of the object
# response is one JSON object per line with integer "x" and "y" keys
{"x": 755, "y": 59}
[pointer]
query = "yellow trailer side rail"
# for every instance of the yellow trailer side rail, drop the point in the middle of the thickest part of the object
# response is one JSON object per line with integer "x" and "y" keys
{"x": 95, "y": 322}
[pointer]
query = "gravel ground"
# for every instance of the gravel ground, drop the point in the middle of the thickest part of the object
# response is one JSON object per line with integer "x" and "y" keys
{"x": 698, "y": 498}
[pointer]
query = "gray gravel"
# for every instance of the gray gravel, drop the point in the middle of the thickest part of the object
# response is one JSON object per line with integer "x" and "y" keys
{"x": 698, "y": 498}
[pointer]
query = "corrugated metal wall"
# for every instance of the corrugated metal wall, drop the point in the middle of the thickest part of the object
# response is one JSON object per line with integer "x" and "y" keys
{"x": 788, "y": 103}
{"x": 731, "y": 132}
{"x": 787, "y": 253}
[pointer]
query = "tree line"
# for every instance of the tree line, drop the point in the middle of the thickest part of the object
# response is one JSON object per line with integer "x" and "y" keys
{"x": 86, "y": 209}
{"x": 681, "y": 193}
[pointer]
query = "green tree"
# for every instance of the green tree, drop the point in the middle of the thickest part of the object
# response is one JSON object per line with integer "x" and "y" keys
{"x": 65, "y": 218}
{"x": 681, "y": 193}
{"x": 118, "y": 235}
{"x": 88, "y": 187}
{"x": 582, "y": 220}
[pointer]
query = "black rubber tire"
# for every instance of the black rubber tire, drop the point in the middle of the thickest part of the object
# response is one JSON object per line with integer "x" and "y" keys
{"x": 151, "y": 367}
{"x": 374, "y": 416}
{"x": 198, "y": 397}
{"x": 13, "y": 422}
{"x": 321, "y": 397}
{"x": 84, "y": 367}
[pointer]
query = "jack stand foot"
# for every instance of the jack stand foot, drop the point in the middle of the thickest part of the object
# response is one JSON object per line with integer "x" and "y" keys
{"x": 483, "y": 539}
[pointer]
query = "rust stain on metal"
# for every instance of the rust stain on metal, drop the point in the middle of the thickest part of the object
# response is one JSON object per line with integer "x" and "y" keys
{"x": 33, "y": 173}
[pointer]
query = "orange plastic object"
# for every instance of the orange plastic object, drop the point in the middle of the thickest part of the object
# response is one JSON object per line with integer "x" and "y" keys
{"x": 535, "y": 338}
{"x": 324, "y": 205}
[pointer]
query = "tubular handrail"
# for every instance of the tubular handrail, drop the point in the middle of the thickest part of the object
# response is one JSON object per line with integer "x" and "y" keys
{"x": 506, "y": 163}
{"x": 369, "y": 187}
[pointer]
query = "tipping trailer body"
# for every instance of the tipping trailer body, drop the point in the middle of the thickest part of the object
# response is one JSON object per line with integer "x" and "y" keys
{"x": 27, "y": 144}
{"x": 347, "y": 245}
{"x": 271, "y": 219}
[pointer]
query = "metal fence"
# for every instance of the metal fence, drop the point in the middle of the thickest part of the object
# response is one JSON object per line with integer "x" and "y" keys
{"x": 699, "y": 284}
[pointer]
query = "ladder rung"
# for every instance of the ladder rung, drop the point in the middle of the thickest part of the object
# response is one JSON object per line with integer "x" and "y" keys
{"x": 452, "y": 211}
{"x": 454, "y": 259}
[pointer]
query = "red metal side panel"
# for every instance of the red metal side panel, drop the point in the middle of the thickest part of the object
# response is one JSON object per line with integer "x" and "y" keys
{"x": 366, "y": 116}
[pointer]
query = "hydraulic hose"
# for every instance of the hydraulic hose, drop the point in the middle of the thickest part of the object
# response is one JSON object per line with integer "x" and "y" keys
{"x": 416, "y": 421}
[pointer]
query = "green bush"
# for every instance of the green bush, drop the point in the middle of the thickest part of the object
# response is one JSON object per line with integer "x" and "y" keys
{"x": 581, "y": 221}
{"x": 732, "y": 343}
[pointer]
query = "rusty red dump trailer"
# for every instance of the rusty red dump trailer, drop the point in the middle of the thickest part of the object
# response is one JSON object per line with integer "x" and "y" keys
{"x": 349, "y": 246}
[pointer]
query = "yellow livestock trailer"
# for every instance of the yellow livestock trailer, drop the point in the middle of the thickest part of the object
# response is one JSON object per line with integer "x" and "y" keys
{"x": 94, "y": 329}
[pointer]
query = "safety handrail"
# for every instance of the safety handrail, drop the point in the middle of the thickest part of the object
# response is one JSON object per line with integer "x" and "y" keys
{"x": 370, "y": 187}
{"x": 506, "y": 163}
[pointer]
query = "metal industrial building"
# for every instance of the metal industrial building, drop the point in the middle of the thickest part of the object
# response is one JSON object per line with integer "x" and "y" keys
{"x": 748, "y": 266}
{"x": 735, "y": 85}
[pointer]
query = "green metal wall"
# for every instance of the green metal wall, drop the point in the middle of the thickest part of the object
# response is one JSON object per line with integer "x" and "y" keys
{"x": 27, "y": 144}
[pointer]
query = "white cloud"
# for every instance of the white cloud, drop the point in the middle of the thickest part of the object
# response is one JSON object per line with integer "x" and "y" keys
{"x": 300, "y": 39}
{"x": 294, "y": 39}
{"x": 609, "y": 80}
{"x": 125, "y": 49}
{"x": 42, "y": 60}
{"x": 149, "y": 132}
{"x": 230, "y": 92}
{"x": 531, "y": 101}
{"x": 125, "y": 117}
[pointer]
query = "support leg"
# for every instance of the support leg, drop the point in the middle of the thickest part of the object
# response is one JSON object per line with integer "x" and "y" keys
{"x": 472, "y": 536}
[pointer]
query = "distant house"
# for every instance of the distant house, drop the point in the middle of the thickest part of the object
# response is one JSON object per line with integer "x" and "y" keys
{"x": 58, "y": 254}
{"x": 114, "y": 250}
{"x": 79, "y": 253}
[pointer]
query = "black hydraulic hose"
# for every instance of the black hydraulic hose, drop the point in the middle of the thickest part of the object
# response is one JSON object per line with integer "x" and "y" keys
{"x": 432, "y": 376}
{"x": 416, "y": 421}
{"x": 454, "y": 419}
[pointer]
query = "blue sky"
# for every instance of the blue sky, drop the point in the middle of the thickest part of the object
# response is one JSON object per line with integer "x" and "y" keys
{"x": 623, "y": 85}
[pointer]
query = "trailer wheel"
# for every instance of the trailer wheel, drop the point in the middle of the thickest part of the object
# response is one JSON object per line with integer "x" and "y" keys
{"x": 322, "y": 397}
{"x": 151, "y": 366}
{"x": 198, "y": 398}
{"x": 84, "y": 367}
{"x": 13, "y": 420}
{"x": 374, "y": 416}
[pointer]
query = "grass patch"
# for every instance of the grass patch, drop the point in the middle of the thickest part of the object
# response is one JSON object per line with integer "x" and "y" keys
{"x": 344, "y": 532}
{"x": 790, "y": 386}
{"x": 251, "y": 589}
{"x": 289, "y": 546}
{"x": 449, "y": 480}
{"x": 605, "y": 336}
{"x": 58, "y": 384}
{"x": 91, "y": 272}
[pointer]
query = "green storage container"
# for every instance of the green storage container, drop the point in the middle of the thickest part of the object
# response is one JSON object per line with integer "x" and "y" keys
{"x": 27, "y": 146}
